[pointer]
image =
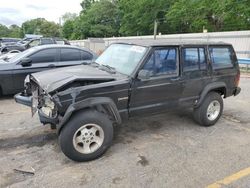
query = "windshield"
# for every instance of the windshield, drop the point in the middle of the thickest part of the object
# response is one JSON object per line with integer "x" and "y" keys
{"x": 122, "y": 57}
{"x": 21, "y": 55}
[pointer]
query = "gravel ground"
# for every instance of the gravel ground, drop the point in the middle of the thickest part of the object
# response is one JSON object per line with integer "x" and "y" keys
{"x": 167, "y": 150}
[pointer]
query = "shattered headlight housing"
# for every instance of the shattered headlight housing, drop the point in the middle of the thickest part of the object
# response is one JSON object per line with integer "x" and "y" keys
{"x": 48, "y": 107}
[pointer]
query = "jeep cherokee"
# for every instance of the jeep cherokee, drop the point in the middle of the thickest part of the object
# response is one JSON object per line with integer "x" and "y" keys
{"x": 84, "y": 102}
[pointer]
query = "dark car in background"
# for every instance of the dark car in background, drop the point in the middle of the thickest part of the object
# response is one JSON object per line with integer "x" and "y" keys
{"x": 14, "y": 70}
{"x": 7, "y": 41}
{"x": 45, "y": 41}
{"x": 29, "y": 43}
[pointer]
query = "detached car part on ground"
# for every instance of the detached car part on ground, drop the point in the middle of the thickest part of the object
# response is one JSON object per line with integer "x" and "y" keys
{"x": 85, "y": 102}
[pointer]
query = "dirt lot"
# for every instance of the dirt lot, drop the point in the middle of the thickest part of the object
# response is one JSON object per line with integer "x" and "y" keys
{"x": 167, "y": 150}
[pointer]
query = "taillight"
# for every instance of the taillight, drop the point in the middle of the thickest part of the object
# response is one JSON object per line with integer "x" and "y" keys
{"x": 237, "y": 79}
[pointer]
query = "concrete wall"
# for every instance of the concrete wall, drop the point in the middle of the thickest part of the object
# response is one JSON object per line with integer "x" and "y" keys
{"x": 239, "y": 39}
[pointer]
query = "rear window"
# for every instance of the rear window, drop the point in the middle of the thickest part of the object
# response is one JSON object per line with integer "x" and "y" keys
{"x": 47, "y": 41}
{"x": 68, "y": 54}
{"x": 221, "y": 57}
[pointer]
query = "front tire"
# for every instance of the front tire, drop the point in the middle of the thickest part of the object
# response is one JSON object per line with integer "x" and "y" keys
{"x": 209, "y": 112}
{"x": 86, "y": 136}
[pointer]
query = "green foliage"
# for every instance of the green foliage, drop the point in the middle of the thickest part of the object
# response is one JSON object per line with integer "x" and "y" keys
{"x": 99, "y": 20}
{"x": 41, "y": 26}
{"x": 68, "y": 29}
{"x": 3, "y": 31}
{"x": 86, "y": 4}
{"x": 68, "y": 16}
{"x": 13, "y": 31}
{"x": 138, "y": 16}
{"x": 223, "y": 15}
{"x": 107, "y": 18}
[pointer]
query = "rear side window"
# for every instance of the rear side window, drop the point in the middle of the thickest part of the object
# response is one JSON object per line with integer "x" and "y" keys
{"x": 70, "y": 54}
{"x": 194, "y": 59}
{"x": 221, "y": 57}
{"x": 47, "y": 41}
{"x": 86, "y": 55}
{"x": 44, "y": 56}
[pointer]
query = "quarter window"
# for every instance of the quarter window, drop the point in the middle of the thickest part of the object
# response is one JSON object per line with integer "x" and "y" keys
{"x": 162, "y": 62}
{"x": 86, "y": 55}
{"x": 44, "y": 56}
{"x": 194, "y": 59}
{"x": 70, "y": 55}
{"x": 221, "y": 57}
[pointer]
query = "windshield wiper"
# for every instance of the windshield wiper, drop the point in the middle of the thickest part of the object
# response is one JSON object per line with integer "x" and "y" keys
{"x": 111, "y": 69}
{"x": 94, "y": 64}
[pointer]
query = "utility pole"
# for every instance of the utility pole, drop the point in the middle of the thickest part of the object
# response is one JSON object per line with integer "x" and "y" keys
{"x": 155, "y": 28}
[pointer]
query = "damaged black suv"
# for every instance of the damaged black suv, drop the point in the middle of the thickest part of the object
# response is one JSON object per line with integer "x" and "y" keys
{"x": 84, "y": 102}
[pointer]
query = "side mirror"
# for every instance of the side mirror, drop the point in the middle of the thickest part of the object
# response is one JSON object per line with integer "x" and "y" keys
{"x": 26, "y": 62}
{"x": 143, "y": 75}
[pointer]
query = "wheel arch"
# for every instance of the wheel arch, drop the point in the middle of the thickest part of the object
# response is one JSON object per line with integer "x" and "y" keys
{"x": 219, "y": 87}
{"x": 102, "y": 104}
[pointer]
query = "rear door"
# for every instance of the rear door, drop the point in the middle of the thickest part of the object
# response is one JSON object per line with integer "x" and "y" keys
{"x": 163, "y": 89}
{"x": 42, "y": 60}
{"x": 224, "y": 65}
{"x": 195, "y": 72}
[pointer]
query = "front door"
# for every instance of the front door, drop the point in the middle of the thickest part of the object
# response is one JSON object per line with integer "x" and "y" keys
{"x": 164, "y": 87}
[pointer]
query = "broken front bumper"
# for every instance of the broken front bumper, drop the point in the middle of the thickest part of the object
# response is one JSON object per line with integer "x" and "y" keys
{"x": 27, "y": 101}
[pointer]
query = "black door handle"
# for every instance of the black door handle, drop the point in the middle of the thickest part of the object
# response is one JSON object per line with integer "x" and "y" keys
{"x": 52, "y": 66}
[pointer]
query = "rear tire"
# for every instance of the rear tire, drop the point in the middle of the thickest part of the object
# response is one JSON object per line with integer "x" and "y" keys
{"x": 209, "y": 112}
{"x": 86, "y": 136}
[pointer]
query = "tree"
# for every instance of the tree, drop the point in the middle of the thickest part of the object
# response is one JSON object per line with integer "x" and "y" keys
{"x": 101, "y": 19}
{"x": 86, "y": 4}
{"x": 14, "y": 31}
{"x": 68, "y": 16}
{"x": 223, "y": 15}
{"x": 137, "y": 17}
{"x": 4, "y": 31}
{"x": 42, "y": 27}
{"x": 68, "y": 29}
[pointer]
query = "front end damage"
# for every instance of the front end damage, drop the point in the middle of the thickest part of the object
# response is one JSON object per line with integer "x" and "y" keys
{"x": 56, "y": 106}
{"x": 39, "y": 101}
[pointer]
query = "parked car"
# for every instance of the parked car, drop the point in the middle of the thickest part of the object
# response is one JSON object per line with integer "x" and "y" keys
{"x": 7, "y": 48}
{"x": 9, "y": 55}
{"x": 32, "y": 42}
{"x": 7, "y": 41}
{"x": 14, "y": 70}
{"x": 127, "y": 80}
{"x": 44, "y": 41}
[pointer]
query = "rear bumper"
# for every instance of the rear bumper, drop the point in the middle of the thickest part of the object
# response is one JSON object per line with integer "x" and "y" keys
{"x": 25, "y": 100}
{"x": 236, "y": 91}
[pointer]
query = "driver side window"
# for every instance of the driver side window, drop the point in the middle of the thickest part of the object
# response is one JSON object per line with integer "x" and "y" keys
{"x": 162, "y": 61}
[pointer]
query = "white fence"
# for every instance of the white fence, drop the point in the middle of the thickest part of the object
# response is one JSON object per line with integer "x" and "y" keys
{"x": 239, "y": 39}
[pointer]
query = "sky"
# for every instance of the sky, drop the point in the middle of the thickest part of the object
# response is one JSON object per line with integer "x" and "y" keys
{"x": 19, "y": 11}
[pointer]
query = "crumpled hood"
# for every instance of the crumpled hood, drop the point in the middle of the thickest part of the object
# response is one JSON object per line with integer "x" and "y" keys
{"x": 54, "y": 79}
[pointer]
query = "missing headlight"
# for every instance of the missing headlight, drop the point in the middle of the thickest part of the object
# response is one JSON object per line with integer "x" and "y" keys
{"x": 48, "y": 107}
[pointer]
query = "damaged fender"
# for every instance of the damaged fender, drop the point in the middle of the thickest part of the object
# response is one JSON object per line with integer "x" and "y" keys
{"x": 89, "y": 103}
